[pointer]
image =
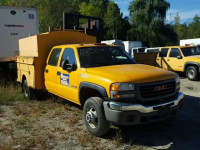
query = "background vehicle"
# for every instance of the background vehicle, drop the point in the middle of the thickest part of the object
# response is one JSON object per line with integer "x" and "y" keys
{"x": 137, "y": 50}
{"x": 152, "y": 50}
{"x": 181, "y": 59}
{"x": 190, "y": 42}
{"x": 129, "y": 45}
{"x": 115, "y": 42}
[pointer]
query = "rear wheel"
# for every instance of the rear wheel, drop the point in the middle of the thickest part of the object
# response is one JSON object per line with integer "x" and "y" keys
{"x": 94, "y": 116}
{"x": 28, "y": 92}
{"x": 192, "y": 73}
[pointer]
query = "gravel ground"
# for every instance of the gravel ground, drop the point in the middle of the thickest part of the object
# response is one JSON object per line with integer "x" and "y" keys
{"x": 179, "y": 133}
{"x": 57, "y": 124}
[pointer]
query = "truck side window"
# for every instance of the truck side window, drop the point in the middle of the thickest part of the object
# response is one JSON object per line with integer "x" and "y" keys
{"x": 68, "y": 55}
{"x": 174, "y": 52}
{"x": 163, "y": 52}
{"x": 55, "y": 54}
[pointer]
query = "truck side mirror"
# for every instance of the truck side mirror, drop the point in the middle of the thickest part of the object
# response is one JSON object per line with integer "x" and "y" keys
{"x": 179, "y": 57}
{"x": 68, "y": 67}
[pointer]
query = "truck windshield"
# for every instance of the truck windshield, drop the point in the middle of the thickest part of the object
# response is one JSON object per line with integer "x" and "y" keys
{"x": 190, "y": 51}
{"x": 103, "y": 56}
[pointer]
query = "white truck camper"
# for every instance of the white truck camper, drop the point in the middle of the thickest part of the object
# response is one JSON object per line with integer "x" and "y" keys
{"x": 129, "y": 45}
{"x": 190, "y": 42}
{"x": 15, "y": 23}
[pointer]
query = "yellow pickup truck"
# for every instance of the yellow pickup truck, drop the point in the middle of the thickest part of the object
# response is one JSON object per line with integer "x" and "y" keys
{"x": 180, "y": 59}
{"x": 103, "y": 79}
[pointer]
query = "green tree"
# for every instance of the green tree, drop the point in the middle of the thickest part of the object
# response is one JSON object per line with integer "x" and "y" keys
{"x": 93, "y": 8}
{"x": 113, "y": 21}
{"x": 180, "y": 29}
{"x": 125, "y": 27}
{"x": 114, "y": 25}
{"x": 147, "y": 18}
{"x": 177, "y": 19}
{"x": 194, "y": 28}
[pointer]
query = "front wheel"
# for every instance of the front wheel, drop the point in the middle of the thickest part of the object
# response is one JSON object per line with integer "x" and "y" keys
{"x": 192, "y": 73}
{"x": 28, "y": 92}
{"x": 94, "y": 116}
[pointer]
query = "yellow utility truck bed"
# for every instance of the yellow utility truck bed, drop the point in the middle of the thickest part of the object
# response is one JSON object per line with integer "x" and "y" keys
{"x": 34, "y": 51}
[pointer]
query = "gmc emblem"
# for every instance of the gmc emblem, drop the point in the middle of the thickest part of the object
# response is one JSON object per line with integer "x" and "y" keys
{"x": 160, "y": 88}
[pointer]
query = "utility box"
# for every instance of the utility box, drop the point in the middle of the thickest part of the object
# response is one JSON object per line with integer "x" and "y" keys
{"x": 15, "y": 23}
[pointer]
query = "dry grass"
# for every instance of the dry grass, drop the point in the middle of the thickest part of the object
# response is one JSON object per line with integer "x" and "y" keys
{"x": 1, "y": 112}
{"x": 9, "y": 94}
{"x": 41, "y": 124}
{"x": 49, "y": 124}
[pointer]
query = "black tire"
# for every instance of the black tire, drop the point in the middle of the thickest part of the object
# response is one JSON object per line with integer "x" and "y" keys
{"x": 28, "y": 92}
{"x": 192, "y": 73}
{"x": 96, "y": 124}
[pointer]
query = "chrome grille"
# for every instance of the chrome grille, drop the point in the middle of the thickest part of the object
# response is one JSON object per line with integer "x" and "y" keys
{"x": 157, "y": 90}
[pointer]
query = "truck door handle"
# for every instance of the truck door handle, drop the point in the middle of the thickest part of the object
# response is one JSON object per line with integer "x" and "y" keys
{"x": 46, "y": 70}
{"x": 58, "y": 73}
{"x": 157, "y": 59}
{"x": 168, "y": 59}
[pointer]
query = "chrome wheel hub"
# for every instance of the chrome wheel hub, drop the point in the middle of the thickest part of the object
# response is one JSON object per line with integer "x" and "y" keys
{"x": 25, "y": 91}
{"x": 91, "y": 118}
{"x": 191, "y": 73}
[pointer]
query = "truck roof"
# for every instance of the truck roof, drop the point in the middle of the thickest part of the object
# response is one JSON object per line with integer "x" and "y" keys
{"x": 86, "y": 45}
{"x": 176, "y": 46}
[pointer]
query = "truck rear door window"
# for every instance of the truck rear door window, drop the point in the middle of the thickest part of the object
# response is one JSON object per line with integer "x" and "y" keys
{"x": 53, "y": 59}
{"x": 163, "y": 52}
{"x": 174, "y": 52}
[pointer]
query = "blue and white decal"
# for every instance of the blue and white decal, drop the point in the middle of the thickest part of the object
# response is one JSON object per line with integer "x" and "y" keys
{"x": 64, "y": 79}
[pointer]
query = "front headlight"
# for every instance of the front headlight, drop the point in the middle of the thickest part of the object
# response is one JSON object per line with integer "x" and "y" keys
{"x": 122, "y": 87}
{"x": 122, "y": 91}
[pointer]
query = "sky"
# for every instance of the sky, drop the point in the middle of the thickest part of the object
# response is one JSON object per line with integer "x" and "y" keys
{"x": 186, "y": 9}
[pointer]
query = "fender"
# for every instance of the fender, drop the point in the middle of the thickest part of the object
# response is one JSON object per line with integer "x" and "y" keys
{"x": 191, "y": 63}
{"x": 97, "y": 87}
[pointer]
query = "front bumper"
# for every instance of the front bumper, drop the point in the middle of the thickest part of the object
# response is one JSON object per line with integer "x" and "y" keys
{"x": 129, "y": 114}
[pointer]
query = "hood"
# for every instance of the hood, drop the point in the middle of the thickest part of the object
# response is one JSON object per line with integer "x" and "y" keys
{"x": 193, "y": 58}
{"x": 133, "y": 73}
